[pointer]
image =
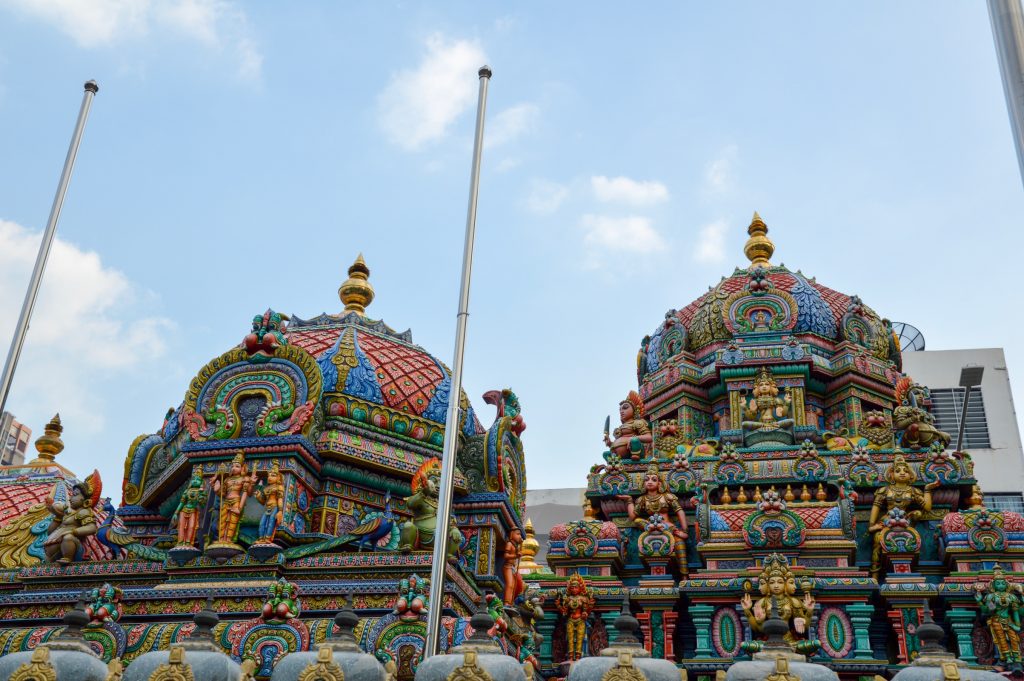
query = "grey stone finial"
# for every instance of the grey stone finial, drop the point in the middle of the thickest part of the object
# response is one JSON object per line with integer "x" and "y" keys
{"x": 481, "y": 622}
{"x": 346, "y": 621}
{"x": 75, "y": 619}
{"x": 930, "y": 634}
{"x": 202, "y": 636}
{"x": 626, "y": 625}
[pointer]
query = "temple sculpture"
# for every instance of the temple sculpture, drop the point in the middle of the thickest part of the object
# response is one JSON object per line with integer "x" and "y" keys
{"x": 775, "y": 469}
{"x": 777, "y": 496}
{"x": 300, "y": 464}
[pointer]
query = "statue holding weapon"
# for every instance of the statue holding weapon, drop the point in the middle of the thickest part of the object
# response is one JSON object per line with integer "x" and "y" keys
{"x": 233, "y": 488}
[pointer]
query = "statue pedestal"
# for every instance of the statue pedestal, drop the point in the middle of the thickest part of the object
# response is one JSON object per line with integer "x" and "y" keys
{"x": 183, "y": 554}
{"x": 264, "y": 550}
{"x": 222, "y": 551}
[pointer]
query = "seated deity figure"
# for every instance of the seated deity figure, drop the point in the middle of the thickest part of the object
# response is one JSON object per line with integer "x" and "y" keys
{"x": 73, "y": 521}
{"x": 777, "y": 585}
{"x": 419, "y": 532}
{"x": 656, "y": 499}
{"x": 766, "y": 416}
{"x": 899, "y": 493}
{"x": 634, "y": 435}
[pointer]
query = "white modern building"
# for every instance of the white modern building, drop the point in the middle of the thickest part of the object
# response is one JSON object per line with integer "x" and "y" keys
{"x": 992, "y": 434}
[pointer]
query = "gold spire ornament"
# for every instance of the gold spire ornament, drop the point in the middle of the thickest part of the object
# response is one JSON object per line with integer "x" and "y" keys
{"x": 357, "y": 292}
{"x": 50, "y": 444}
{"x": 759, "y": 247}
{"x": 528, "y": 563}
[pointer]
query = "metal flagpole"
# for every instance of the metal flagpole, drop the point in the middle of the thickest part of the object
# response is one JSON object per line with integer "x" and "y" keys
{"x": 91, "y": 88}
{"x": 1008, "y": 32}
{"x": 451, "y": 428}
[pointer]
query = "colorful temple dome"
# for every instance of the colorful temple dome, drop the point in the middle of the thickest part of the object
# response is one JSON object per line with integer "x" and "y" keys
{"x": 393, "y": 383}
{"x": 759, "y": 301}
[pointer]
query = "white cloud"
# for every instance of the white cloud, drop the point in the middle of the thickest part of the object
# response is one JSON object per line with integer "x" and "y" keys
{"x": 510, "y": 124}
{"x": 710, "y": 245}
{"x": 718, "y": 175}
{"x": 507, "y": 164}
{"x": 626, "y": 190}
{"x": 546, "y": 197}
{"x": 218, "y": 24}
{"x": 418, "y": 106}
{"x": 605, "y": 235}
{"x": 81, "y": 332}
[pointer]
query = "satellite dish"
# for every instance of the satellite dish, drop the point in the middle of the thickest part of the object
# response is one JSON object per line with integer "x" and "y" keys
{"x": 911, "y": 339}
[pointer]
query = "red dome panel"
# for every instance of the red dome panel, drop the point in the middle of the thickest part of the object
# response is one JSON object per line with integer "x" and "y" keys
{"x": 408, "y": 377}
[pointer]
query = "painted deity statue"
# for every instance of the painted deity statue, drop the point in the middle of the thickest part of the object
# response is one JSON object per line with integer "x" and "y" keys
{"x": 271, "y": 495}
{"x": 522, "y": 629}
{"x": 412, "y": 598}
{"x": 899, "y": 493}
{"x": 657, "y": 500}
{"x": 1001, "y": 602}
{"x": 765, "y": 412}
{"x": 282, "y": 602}
{"x": 73, "y": 520}
{"x": 418, "y": 533}
{"x": 104, "y": 605}
{"x": 186, "y": 515}
{"x": 233, "y": 487}
{"x": 514, "y": 584}
{"x": 634, "y": 433}
{"x": 778, "y": 586}
{"x": 575, "y": 604}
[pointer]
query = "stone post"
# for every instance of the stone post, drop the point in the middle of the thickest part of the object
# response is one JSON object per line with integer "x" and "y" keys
{"x": 701, "y": 616}
{"x": 546, "y": 628}
{"x": 961, "y": 621}
{"x": 860, "y": 617}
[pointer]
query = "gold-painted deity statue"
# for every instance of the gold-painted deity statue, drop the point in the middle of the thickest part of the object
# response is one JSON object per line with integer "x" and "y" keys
{"x": 766, "y": 416}
{"x": 233, "y": 486}
{"x": 656, "y": 499}
{"x": 575, "y": 604}
{"x": 778, "y": 588}
{"x": 634, "y": 435}
{"x": 899, "y": 493}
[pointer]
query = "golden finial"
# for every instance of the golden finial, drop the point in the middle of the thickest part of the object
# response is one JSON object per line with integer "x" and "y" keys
{"x": 759, "y": 247}
{"x": 357, "y": 293}
{"x": 50, "y": 444}
{"x": 528, "y": 563}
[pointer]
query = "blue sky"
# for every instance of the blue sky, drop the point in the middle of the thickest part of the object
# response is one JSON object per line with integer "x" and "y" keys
{"x": 239, "y": 156}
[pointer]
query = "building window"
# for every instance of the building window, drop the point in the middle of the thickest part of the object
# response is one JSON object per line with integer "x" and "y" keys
{"x": 947, "y": 403}
{"x": 1010, "y": 501}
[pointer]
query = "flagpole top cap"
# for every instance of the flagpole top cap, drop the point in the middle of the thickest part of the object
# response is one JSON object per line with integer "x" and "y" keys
{"x": 485, "y": 71}
{"x": 92, "y": 86}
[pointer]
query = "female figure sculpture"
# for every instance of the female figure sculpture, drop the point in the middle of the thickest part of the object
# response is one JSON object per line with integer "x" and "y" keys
{"x": 271, "y": 495}
{"x": 1002, "y": 604}
{"x": 634, "y": 434}
{"x": 656, "y": 499}
{"x": 575, "y": 604}
{"x": 186, "y": 516}
{"x": 899, "y": 493}
{"x": 777, "y": 586}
